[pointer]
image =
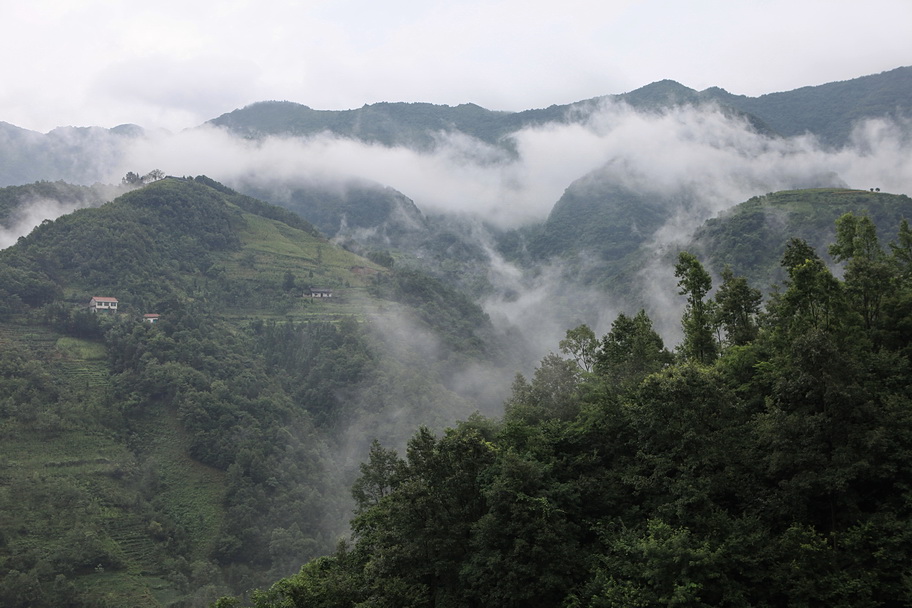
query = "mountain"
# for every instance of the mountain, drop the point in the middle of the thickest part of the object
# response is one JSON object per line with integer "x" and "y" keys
{"x": 598, "y": 229}
{"x": 212, "y": 451}
{"x": 830, "y": 110}
{"x": 412, "y": 125}
{"x": 768, "y": 467}
{"x": 371, "y": 214}
{"x": 80, "y": 155}
{"x": 170, "y": 462}
{"x": 383, "y": 224}
{"x": 827, "y": 111}
{"x": 19, "y": 203}
{"x": 84, "y": 155}
{"x": 751, "y": 237}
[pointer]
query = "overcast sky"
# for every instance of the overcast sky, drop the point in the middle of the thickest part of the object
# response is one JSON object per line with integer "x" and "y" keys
{"x": 174, "y": 64}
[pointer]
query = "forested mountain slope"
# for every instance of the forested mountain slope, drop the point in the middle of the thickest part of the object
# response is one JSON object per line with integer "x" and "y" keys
{"x": 750, "y": 236}
{"x": 764, "y": 463}
{"x": 80, "y": 155}
{"x": 830, "y": 110}
{"x": 168, "y": 463}
{"x": 17, "y": 202}
{"x": 368, "y": 214}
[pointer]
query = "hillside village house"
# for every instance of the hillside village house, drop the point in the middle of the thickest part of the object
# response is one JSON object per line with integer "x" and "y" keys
{"x": 151, "y": 317}
{"x": 321, "y": 293}
{"x": 103, "y": 303}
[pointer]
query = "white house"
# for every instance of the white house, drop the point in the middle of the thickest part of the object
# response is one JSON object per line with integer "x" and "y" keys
{"x": 103, "y": 303}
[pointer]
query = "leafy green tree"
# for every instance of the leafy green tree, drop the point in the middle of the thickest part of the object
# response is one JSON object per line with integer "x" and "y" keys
{"x": 663, "y": 565}
{"x": 868, "y": 273}
{"x": 814, "y": 298}
{"x": 379, "y": 477}
{"x": 525, "y": 550}
{"x": 631, "y": 351}
{"x": 153, "y": 176}
{"x": 694, "y": 282}
{"x": 737, "y": 306}
{"x": 581, "y": 343}
{"x": 288, "y": 281}
{"x": 553, "y": 392}
{"x": 688, "y": 431}
{"x": 131, "y": 178}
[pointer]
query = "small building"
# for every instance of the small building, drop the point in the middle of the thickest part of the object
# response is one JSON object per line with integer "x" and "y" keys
{"x": 321, "y": 293}
{"x": 151, "y": 317}
{"x": 103, "y": 303}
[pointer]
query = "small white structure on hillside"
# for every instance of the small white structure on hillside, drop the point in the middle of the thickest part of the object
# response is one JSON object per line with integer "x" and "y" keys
{"x": 103, "y": 303}
{"x": 321, "y": 293}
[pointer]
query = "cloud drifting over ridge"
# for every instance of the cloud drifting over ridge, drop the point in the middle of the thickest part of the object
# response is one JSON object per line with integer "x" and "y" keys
{"x": 717, "y": 158}
{"x": 702, "y": 158}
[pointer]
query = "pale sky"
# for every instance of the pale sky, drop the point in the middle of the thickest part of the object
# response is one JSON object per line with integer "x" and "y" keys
{"x": 175, "y": 64}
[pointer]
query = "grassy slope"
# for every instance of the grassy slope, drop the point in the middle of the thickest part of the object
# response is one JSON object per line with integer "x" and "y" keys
{"x": 270, "y": 249}
{"x": 66, "y": 485}
{"x": 752, "y": 236}
{"x": 85, "y": 478}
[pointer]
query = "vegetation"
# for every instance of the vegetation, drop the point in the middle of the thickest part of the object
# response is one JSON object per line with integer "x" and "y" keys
{"x": 600, "y": 217}
{"x": 831, "y": 110}
{"x": 749, "y": 236}
{"x": 211, "y": 452}
{"x": 14, "y": 200}
{"x": 764, "y": 462}
{"x": 770, "y": 470}
{"x": 337, "y": 210}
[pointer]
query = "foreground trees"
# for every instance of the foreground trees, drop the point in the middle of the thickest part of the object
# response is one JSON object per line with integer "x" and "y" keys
{"x": 768, "y": 463}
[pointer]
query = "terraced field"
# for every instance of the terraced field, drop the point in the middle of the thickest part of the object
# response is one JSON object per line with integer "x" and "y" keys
{"x": 69, "y": 488}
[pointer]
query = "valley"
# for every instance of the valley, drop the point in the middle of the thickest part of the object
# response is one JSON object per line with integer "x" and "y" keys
{"x": 373, "y": 299}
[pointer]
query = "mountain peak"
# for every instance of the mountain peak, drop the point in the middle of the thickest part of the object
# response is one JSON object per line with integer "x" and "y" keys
{"x": 660, "y": 94}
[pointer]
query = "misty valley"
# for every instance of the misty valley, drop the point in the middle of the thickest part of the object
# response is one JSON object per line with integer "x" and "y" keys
{"x": 646, "y": 349}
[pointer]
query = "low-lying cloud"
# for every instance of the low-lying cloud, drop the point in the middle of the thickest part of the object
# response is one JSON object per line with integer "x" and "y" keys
{"x": 700, "y": 150}
{"x": 702, "y": 157}
{"x": 30, "y": 213}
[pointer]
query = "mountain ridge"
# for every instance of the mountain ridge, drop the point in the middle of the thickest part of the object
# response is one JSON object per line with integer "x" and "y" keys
{"x": 763, "y": 112}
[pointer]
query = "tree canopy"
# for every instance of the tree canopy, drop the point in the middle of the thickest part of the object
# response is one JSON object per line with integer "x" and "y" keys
{"x": 767, "y": 463}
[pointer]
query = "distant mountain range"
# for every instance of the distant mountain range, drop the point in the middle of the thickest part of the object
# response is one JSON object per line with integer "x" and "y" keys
{"x": 84, "y": 155}
{"x": 599, "y": 231}
{"x": 826, "y": 111}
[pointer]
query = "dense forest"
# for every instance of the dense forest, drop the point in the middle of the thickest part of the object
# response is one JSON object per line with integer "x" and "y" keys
{"x": 765, "y": 462}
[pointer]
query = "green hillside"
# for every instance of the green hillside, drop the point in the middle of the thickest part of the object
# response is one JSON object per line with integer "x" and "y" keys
{"x": 828, "y": 110}
{"x": 597, "y": 215}
{"x": 376, "y": 214}
{"x": 167, "y": 464}
{"x": 751, "y": 237}
{"x": 766, "y": 462}
{"x": 15, "y": 201}
{"x": 599, "y": 230}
